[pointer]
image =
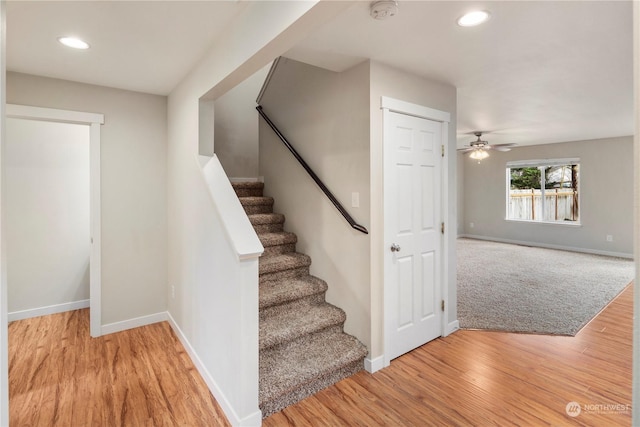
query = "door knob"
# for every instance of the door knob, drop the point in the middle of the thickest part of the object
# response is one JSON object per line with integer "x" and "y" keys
{"x": 395, "y": 247}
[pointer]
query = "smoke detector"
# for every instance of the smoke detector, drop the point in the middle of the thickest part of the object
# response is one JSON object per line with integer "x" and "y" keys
{"x": 383, "y": 9}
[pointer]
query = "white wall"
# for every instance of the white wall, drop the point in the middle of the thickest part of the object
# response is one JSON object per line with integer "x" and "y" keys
{"x": 394, "y": 83}
{"x": 335, "y": 122}
{"x": 325, "y": 116}
{"x": 636, "y": 216}
{"x": 236, "y": 127}
{"x": 460, "y": 191}
{"x": 606, "y": 188}
{"x": 4, "y": 342}
{"x": 47, "y": 213}
{"x": 199, "y": 252}
{"x": 134, "y": 202}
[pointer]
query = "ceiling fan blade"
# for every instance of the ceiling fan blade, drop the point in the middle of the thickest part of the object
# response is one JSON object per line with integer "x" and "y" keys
{"x": 499, "y": 147}
{"x": 465, "y": 150}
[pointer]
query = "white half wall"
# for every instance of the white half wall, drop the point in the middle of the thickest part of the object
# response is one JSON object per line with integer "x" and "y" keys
{"x": 203, "y": 266}
{"x": 47, "y": 213}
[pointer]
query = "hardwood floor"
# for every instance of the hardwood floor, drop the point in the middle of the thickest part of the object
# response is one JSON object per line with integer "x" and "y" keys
{"x": 477, "y": 378}
{"x": 143, "y": 377}
{"x": 59, "y": 376}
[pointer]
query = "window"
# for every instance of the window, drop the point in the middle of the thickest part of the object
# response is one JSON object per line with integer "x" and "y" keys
{"x": 544, "y": 190}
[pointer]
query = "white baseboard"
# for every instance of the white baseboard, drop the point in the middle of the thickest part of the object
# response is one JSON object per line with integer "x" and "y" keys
{"x": 111, "y": 328}
{"x": 373, "y": 365}
{"x": 254, "y": 419}
{"x": 253, "y": 179}
{"x": 548, "y": 246}
{"x": 451, "y": 328}
{"x": 44, "y": 311}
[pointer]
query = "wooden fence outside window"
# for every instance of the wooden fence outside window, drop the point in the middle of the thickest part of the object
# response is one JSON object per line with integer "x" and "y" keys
{"x": 560, "y": 204}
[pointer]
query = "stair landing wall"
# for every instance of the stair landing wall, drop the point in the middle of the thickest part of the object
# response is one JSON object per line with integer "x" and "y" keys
{"x": 332, "y": 135}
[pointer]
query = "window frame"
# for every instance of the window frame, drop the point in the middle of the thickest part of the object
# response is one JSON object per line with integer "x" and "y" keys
{"x": 537, "y": 163}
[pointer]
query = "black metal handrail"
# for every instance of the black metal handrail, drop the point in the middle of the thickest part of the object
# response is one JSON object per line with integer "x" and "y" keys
{"x": 313, "y": 175}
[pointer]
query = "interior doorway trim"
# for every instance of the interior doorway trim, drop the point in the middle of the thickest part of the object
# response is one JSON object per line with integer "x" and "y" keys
{"x": 93, "y": 120}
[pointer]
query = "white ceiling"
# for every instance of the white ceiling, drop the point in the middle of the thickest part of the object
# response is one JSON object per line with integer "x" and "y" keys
{"x": 536, "y": 72}
{"x": 145, "y": 46}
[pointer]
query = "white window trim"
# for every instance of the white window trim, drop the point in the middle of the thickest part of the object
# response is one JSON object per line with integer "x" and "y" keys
{"x": 542, "y": 162}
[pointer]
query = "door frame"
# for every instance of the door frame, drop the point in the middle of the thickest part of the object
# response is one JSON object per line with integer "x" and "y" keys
{"x": 93, "y": 120}
{"x": 391, "y": 105}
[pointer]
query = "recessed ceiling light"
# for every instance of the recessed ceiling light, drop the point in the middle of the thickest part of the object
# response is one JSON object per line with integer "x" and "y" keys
{"x": 73, "y": 42}
{"x": 474, "y": 18}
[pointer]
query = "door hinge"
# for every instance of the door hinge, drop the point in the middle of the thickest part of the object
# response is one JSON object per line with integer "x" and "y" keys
{"x": 442, "y": 228}
{"x": 442, "y": 148}
{"x": 442, "y": 305}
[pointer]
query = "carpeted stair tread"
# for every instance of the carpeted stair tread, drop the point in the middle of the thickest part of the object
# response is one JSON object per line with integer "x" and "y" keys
{"x": 277, "y": 238}
{"x": 287, "y": 290}
{"x": 256, "y": 201}
{"x": 289, "y": 325}
{"x": 267, "y": 222}
{"x": 302, "y": 345}
{"x": 299, "y": 364}
{"x": 247, "y": 184}
{"x": 248, "y": 189}
{"x": 264, "y": 219}
{"x": 281, "y": 262}
{"x": 256, "y": 204}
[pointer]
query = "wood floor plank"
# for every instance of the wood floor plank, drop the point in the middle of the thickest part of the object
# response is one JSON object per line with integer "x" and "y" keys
{"x": 60, "y": 376}
{"x": 474, "y": 378}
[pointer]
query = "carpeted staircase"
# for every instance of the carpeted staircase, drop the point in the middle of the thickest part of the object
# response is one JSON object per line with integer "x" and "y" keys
{"x": 303, "y": 348}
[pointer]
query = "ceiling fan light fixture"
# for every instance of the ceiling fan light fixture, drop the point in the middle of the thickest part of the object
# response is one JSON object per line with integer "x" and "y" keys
{"x": 479, "y": 154}
{"x": 474, "y": 18}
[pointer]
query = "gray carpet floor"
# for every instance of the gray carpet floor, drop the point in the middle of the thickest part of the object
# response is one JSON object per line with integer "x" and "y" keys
{"x": 534, "y": 290}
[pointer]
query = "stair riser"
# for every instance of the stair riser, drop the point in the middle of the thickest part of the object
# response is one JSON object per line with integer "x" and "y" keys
{"x": 273, "y": 294}
{"x": 279, "y": 249}
{"x": 285, "y": 274}
{"x": 298, "y": 304}
{"x": 326, "y": 334}
{"x": 275, "y": 405}
{"x": 268, "y": 228}
{"x": 248, "y": 192}
{"x": 258, "y": 209}
{"x": 335, "y": 329}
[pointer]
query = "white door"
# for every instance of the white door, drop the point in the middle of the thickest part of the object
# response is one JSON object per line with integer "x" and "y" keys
{"x": 412, "y": 197}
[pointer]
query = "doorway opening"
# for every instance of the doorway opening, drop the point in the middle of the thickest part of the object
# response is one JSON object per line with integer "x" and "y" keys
{"x": 46, "y": 189}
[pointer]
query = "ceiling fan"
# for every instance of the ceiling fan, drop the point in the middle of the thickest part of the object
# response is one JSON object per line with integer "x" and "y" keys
{"x": 479, "y": 148}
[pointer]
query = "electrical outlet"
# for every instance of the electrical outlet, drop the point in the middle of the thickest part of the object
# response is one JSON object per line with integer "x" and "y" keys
{"x": 609, "y": 238}
{"x": 173, "y": 291}
{"x": 471, "y": 225}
